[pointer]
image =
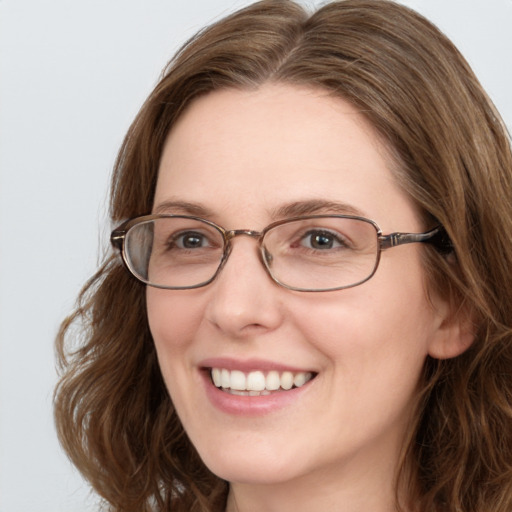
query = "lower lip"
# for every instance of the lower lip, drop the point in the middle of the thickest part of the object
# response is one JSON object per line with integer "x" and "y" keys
{"x": 251, "y": 405}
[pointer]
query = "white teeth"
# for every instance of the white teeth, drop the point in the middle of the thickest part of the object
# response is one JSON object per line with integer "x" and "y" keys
{"x": 299, "y": 380}
{"x": 256, "y": 383}
{"x": 273, "y": 381}
{"x": 287, "y": 380}
{"x": 216, "y": 377}
{"x": 225, "y": 378}
{"x": 237, "y": 392}
{"x": 238, "y": 381}
{"x": 246, "y": 393}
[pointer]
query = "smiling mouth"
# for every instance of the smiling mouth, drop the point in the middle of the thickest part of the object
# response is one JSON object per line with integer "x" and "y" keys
{"x": 258, "y": 383}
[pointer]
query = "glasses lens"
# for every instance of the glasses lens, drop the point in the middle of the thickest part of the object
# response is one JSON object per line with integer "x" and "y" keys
{"x": 322, "y": 253}
{"x": 174, "y": 252}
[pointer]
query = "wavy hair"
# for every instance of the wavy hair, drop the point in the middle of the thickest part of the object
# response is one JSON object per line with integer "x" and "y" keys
{"x": 452, "y": 155}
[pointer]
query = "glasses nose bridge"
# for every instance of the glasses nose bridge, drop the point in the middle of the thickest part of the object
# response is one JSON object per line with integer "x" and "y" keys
{"x": 229, "y": 235}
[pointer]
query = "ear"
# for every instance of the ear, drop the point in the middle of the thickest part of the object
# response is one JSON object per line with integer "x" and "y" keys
{"x": 455, "y": 332}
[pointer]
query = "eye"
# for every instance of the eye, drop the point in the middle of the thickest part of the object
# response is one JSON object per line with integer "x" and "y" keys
{"x": 189, "y": 240}
{"x": 322, "y": 240}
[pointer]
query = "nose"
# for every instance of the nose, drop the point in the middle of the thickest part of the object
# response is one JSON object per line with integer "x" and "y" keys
{"x": 244, "y": 300}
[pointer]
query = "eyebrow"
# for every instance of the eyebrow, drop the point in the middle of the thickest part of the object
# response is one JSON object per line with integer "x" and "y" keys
{"x": 184, "y": 207}
{"x": 293, "y": 209}
{"x": 315, "y": 206}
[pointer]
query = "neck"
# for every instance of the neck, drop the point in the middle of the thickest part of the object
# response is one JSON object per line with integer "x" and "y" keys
{"x": 345, "y": 489}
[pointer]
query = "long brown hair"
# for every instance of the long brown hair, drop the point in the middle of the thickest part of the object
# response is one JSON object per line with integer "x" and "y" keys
{"x": 452, "y": 155}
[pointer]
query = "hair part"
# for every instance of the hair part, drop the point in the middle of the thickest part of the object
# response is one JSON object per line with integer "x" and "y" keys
{"x": 451, "y": 153}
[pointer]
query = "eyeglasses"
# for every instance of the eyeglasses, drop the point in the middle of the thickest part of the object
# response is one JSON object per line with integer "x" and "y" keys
{"x": 315, "y": 253}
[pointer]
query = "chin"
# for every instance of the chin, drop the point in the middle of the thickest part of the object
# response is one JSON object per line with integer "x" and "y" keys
{"x": 255, "y": 469}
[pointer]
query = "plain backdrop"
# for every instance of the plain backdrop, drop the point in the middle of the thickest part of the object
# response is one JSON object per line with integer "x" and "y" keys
{"x": 72, "y": 76}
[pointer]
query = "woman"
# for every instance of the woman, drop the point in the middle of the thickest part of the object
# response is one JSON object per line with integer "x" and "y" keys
{"x": 314, "y": 212}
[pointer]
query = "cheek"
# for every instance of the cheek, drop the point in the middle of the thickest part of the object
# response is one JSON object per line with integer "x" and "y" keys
{"x": 172, "y": 318}
{"x": 374, "y": 355}
{"x": 368, "y": 334}
{"x": 173, "y": 322}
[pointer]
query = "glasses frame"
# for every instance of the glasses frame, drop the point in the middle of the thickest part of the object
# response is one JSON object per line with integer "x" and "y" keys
{"x": 436, "y": 236}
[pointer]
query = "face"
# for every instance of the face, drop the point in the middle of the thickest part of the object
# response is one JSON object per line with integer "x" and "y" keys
{"x": 241, "y": 159}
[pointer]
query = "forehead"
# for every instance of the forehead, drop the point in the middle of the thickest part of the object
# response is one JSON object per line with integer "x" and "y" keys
{"x": 254, "y": 150}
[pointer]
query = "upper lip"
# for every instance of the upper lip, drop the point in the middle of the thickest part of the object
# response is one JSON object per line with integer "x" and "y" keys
{"x": 248, "y": 365}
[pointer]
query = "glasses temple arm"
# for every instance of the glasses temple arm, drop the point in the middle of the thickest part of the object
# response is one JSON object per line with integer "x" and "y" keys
{"x": 437, "y": 237}
{"x": 117, "y": 238}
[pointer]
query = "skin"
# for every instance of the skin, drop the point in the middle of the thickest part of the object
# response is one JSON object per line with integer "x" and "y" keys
{"x": 240, "y": 156}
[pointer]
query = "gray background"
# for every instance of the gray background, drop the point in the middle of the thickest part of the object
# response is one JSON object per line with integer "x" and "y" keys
{"x": 72, "y": 76}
